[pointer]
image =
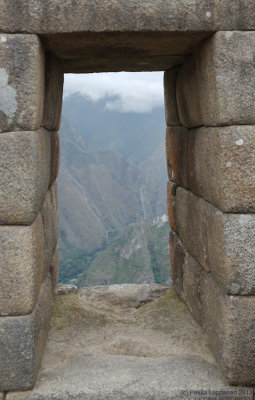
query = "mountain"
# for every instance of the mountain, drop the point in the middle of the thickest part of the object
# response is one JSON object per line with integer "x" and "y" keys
{"x": 134, "y": 135}
{"x": 141, "y": 255}
{"x": 100, "y": 195}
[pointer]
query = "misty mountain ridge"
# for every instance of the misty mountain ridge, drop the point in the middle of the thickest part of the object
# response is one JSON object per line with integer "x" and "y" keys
{"x": 100, "y": 194}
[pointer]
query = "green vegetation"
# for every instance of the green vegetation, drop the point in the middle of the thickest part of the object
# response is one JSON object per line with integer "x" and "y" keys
{"x": 106, "y": 205}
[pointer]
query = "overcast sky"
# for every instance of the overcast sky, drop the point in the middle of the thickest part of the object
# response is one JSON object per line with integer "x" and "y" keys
{"x": 136, "y": 92}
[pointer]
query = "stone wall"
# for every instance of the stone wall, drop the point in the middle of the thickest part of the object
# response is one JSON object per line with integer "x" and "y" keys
{"x": 30, "y": 106}
{"x": 210, "y": 116}
{"x": 210, "y": 140}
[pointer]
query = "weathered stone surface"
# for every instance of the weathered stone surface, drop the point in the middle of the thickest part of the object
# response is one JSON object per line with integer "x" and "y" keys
{"x": 222, "y": 243}
{"x": 1, "y": 396}
{"x": 216, "y": 85}
{"x": 191, "y": 221}
{"x": 222, "y": 166}
{"x": 146, "y": 352}
{"x": 51, "y": 16}
{"x": 54, "y": 270}
{"x": 21, "y": 82}
{"x": 216, "y": 163}
{"x": 177, "y": 154}
{"x": 22, "y": 341}
{"x": 171, "y": 111}
{"x": 49, "y": 213}
{"x": 64, "y": 289}
{"x": 171, "y": 199}
{"x": 177, "y": 258}
{"x": 55, "y": 155}
{"x": 54, "y": 80}
{"x": 21, "y": 267}
{"x": 229, "y": 322}
{"x": 24, "y": 175}
{"x": 192, "y": 273}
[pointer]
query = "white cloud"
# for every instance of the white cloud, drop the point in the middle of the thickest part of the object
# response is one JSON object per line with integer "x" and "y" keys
{"x": 125, "y": 92}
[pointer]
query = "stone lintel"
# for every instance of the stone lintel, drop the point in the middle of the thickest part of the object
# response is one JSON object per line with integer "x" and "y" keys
{"x": 53, "y": 16}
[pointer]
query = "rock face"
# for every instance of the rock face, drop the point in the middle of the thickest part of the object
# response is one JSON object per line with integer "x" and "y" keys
{"x": 216, "y": 84}
{"x": 125, "y": 342}
{"x": 21, "y": 82}
{"x": 25, "y": 175}
{"x": 22, "y": 341}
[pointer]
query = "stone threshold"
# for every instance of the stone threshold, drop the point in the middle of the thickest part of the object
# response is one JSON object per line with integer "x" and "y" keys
{"x": 127, "y": 342}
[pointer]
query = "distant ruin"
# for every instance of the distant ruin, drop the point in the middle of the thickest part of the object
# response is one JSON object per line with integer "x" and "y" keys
{"x": 207, "y": 49}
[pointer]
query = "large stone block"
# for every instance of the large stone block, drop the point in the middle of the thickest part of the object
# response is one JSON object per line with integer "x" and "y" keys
{"x": 171, "y": 110}
{"x": 21, "y": 267}
{"x": 191, "y": 223}
{"x": 22, "y": 341}
{"x": 192, "y": 274}
{"x": 171, "y": 199}
{"x": 56, "y": 16}
{"x": 177, "y": 154}
{"x": 229, "y": 322}
{"x": 177, "y": 257}
{"x": 216, "y": 85}
{"x": 55, "y": 155}
{"x": 222, "y": 243}
{"x": 21, "y": 82}
{"x": 217, "y": 163}
{"x": 25, "y": 161}
{"x": 54, "y": 80}
{"x": 222, "y": 166}
{"x": 50, "y": 225}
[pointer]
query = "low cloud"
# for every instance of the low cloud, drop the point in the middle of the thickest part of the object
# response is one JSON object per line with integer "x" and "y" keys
{"x": 125, "y": 92}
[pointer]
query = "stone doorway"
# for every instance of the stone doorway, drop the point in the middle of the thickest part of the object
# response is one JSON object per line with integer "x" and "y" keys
{"x": 207, "y": 51}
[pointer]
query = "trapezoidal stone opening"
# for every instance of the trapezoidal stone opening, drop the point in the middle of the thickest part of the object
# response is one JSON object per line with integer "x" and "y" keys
{"x": 209, "y": 99}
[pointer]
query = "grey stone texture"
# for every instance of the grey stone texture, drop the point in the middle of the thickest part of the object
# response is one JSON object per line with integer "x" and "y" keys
{"x": 218, "y": 163}
{"x": 49, "y": 214}
{"x": 55, "y": 155}
{"x": 229, "y": 323}
{"x": 222, "y": 166}
{"x": 21, "y": 267}
{"x": 192, "y": 291}
{"x": 55, "y": 16}
{"x": 142, "y": 343}
{"x": 222, "y": 243}
{"x": 21, "y": 82}
{"x": 177, "y": 259}
{"x": 177, "y": 154}
{"x": 54, "y": 80}
{"x": 22, "y": 341}
{"x": 171, "y": 204}
{"x": 171, "y": 110}
{"x": 226, "y": 319}
{"x": 216, "y": 85}
{"x": 115, "y": 35}
{"x": 54, "y": 270}
{"x": 24, "y": 175}
{"x": 2, "y": 396}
